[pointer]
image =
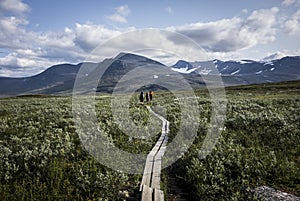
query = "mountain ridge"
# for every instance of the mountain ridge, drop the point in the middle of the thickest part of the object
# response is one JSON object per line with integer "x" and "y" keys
{"x": 59, "y": 79}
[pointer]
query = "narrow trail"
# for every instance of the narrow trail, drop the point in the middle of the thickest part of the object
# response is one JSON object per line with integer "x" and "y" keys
{"x": 150, "y": 185}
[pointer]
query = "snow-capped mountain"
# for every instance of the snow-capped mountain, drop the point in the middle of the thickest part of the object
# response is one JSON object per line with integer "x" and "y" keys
{"x": 247, "y": 71}
{"x": 286, "y": 65}
{"x": 60, "y": 79}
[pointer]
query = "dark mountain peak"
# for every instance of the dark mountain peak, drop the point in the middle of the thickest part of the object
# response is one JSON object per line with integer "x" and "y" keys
{"x": 61, "y": 69}
{"x": 125, "y": 62}
{"x": 289, "y": 58}
{"x": 60, "y": 78}
{"x": 216, "y": 60}
{"x": 134, "y": 58}
{"x": 183, "y": 64}
{"x": 130, "y": 57}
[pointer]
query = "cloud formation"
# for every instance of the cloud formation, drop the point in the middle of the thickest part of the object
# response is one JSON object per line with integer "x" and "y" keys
{"x": 14, "y": 6}
{"x": 89, "y": 36}
{"x": 292, "y": 25}
{"x": 289, "y": 2}
{"x": 168, "y": 9}
{"x": 233, "y": 34}
{"x": 120, "y": 15}
{"x": 30, "y": 51}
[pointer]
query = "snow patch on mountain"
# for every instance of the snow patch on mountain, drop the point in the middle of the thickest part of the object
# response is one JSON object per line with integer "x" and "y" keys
{"x": 184, "y": 70}
{"x": 235, "y": 72}
{"x": 244, "y": 62}
{"x": 269, "y": 63}
{"x": 204, "y": 72}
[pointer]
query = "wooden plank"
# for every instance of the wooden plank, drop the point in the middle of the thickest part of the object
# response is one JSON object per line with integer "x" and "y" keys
{"x": 151, "y": 178}
{"x": 158, "y": 195}
{"x": 162, "y": 150}
{"x": 147, "y": 193}
{"x": 147, "y": 171}
{"x": 155, "y": 182}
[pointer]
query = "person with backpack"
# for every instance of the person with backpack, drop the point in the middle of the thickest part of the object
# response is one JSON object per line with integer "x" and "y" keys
{"x": 142, "y": 97}
{"x": 150, "y": 95}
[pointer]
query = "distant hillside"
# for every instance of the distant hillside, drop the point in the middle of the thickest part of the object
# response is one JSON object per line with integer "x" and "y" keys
{"x": 53, "y": 76}
{"x": 59, "y": 79}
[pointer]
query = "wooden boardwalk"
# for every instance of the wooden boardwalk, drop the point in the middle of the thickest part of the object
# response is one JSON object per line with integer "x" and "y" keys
{"x": 150, "y": 186}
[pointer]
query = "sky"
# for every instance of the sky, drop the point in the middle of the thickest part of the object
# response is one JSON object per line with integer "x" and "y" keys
{"x": 36, "y": 34}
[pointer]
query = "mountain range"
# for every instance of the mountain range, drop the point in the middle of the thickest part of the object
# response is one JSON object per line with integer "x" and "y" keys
{"x": 59, "y": 79}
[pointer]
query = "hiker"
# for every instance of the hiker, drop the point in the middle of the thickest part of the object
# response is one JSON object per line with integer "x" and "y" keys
{"x": 150, "y": 95}
{"x": 142, "y": 97}
{"x": 147, "y": 97}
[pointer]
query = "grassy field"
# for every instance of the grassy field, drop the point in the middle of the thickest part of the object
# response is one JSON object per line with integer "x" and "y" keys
{"x": 42, "y": 158}
{"x": 259, "y": 146}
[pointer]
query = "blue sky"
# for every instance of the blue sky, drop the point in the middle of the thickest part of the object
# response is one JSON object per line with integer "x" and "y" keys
{"x": 35, "y": 34}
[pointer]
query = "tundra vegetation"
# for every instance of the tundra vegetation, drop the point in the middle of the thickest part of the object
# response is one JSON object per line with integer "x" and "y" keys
{"x": 42, "y": 157}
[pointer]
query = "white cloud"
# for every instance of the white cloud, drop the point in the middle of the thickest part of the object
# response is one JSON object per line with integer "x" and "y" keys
{"x": 26, "y": 61}
{"x": 89, "y": 36}
{"x": 280, "y": 54}
{"x": 11, "y": 24}
{"x": 273, "y": 56}
{"x": 15, "y": 6}
{"x": 209, "y": 35}
{"x": 292, "y": 25}
{"x": 123, "y": 10}
{"x": 245, "y": 10}
{"x": 232, "y": 34}
{"x": 290, "y": 2}
{"x": 35, "y": 49}
{"x": 153, "y": 43}
{"x": 120, "y": 15}
{"x": 41, "y": 49}
{"x": 11, "y": 32}
{"x": 168, "y": 9}
{"x": 297, "y": 52}
{"x": 56, "y": 39}
{"x": 117, "y": 18}
{"x": 32, "y": 52}
{"x": 287, "y": 2}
